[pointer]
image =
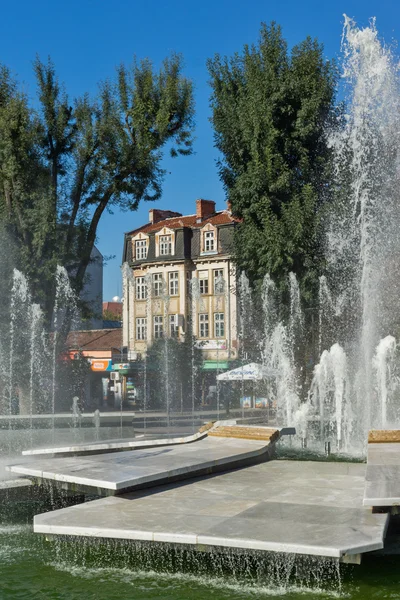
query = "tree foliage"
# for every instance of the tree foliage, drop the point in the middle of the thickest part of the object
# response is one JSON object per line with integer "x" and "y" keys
{"x": 65, "y": 164}
{"x": 270, "y": 110}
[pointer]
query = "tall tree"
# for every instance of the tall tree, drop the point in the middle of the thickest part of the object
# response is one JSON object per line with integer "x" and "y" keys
{"x": 270, "y": 110}
{"x": 64, "y": 165}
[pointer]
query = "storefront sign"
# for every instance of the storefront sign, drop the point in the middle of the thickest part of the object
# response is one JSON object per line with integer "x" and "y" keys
{"x": 212, "y": 345}
{"x": 101, "y": 364}
{"x": 215, "y": 365}
{"x": 121, "y": 367}
{"x": 246, "y": 402}
{"x": 261, "y": 403}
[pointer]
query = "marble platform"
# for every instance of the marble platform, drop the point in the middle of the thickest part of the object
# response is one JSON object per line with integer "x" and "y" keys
{"x": 382, "y": 480}
{"x": 114, "y": 473}
{"x": 311, "y": 508}
{"x": 139, "y": 443}
{"x": 114, "y": 445}
{"x": 13, "y": 484}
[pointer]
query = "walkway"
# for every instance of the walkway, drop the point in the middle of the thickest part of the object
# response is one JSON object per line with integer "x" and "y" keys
{"x": 279, "y": 506}
{"x": 115, "y": 473}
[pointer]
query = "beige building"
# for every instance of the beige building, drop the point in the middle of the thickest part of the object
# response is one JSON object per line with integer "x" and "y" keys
{"x": 178, "y": 277}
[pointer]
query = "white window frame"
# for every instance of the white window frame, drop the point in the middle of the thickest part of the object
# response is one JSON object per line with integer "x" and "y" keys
{"x": 140, "y": 288}
{"x": 173, "y": 325}
{"x": 158, "y": 327}
{"x": 219, "y": 286}
{"x": 140, "y": 249}
{"x": 158, "y": 284}
{"x": 141, "y": 328}
{"x": 204, "y": 326}
{"x": 165, "y": 244}
{"x": 209, "y": 241}
{"x": 173, "y": 283}
{"x": 204, "y": 284}
{"x": 219, "y": 325}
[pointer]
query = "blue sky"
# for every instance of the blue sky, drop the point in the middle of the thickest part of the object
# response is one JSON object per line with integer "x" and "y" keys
{"x": 88, "y": 38}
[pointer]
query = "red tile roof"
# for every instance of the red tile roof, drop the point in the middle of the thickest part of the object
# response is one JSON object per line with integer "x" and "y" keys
{"x": 113, "y": 307}
{"x": 220, "y": 218}
{"x": 95, "y": 339}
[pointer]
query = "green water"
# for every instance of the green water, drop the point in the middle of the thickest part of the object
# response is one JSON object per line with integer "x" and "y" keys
{"x": 31, "y": 567}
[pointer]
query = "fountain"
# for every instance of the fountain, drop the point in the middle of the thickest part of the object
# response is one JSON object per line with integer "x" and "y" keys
{"x": 363, "y": 240}
{"x": 357, "y": 368}
{"x": 354, "y": 384}
{"x": 31, "y": 392}
{"x": 97, "y": 423}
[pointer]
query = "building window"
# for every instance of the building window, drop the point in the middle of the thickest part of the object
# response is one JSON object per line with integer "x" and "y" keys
{"x": 173, "y": 283}
{"x": 157, "y": 284}
{"x": 203, "y": 282}
{"x": 203, "y": 325}
{"x": 158, "y": 327}
{"x": 165, "y": 245}
{"x": 141, "y": 328}
{"x": 141, "y": 288}
{"x": 173, "y": 325}
{"x": 209, "y": 241}
{"x": 219, "y": 282}
{"x": 219, "y": 325}
{"x": 140, "y": 249}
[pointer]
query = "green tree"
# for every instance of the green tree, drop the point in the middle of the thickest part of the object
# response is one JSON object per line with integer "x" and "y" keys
{"x": 271, "y": 108}
{"x": 64, "y": 165}
{"x": 109, "y": 315}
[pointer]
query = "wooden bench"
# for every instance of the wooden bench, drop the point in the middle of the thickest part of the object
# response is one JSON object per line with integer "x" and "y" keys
{"x": 267, "y": 434}
{"x": 384, "y": 436}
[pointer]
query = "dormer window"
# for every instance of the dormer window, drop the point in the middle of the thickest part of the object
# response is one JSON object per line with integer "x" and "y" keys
{"x": 140, "y": 249}
{"x": 165, "y": 245}
{"x": 209, "y": 241}
{"x": 165, "y": 242}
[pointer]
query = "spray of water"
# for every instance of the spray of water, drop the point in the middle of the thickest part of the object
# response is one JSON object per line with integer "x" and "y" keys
{"x": 355, "y": 381}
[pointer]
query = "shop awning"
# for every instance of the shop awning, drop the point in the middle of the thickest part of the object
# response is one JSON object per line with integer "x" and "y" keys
{"x": 250, "y": 372}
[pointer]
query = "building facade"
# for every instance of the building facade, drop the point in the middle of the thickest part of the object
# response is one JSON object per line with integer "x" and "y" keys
{"x": 179, "y": 280}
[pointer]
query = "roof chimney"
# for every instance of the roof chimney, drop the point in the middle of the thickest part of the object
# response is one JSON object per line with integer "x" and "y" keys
{"x": 156, "y": 215}
{"x": 204, "y": 209}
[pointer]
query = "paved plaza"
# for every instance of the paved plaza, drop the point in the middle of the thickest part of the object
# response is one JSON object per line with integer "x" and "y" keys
{"x": 280, "y": 506}
{"x": 116, "y": 472}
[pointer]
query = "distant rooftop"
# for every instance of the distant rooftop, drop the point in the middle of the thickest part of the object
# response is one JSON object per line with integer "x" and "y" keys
{"x": 205, "y": 213}
{"x": 95, "y": 339}
{"x": 114, "y": 308}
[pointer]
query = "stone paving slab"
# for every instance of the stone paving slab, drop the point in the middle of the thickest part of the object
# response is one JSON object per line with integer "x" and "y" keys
{"x": 278, "y": 506}
{"x": 114, "y": 473}
{"x": 382, "y": 479}
{"x": 10, "y": 484}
